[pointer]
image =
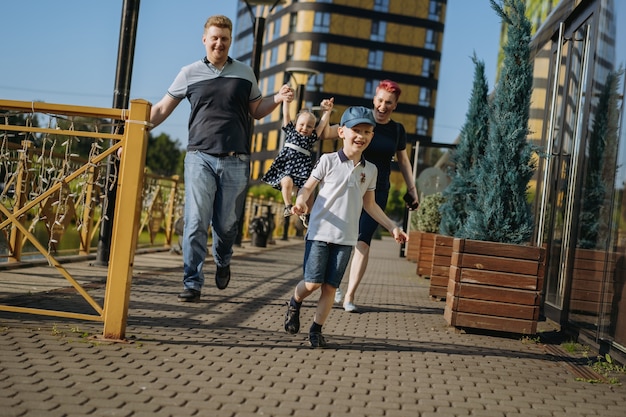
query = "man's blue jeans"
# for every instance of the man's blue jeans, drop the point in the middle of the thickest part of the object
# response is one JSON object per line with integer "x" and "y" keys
{"x": 215, "y": 194}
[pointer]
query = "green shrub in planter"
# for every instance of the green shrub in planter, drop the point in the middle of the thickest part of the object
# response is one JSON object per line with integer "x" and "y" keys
{"x": 427, "y": 216}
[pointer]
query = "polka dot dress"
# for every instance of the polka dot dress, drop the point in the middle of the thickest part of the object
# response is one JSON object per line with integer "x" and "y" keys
{"x": 290, "y": 162}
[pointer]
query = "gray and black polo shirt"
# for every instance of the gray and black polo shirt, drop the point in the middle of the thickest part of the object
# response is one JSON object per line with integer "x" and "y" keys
{"x": 219, "y": 120}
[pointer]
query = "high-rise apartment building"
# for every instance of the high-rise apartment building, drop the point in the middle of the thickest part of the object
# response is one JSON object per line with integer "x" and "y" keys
{"x": 342, "y": 49}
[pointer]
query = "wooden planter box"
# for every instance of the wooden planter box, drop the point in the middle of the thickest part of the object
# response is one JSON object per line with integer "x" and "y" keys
{"x": 495, "y": 286}
{"x": 440, "y": 272}
{"x": 412, "y": 246}
{"x": 426, "y": 243}
{"x": 591, "y": 270}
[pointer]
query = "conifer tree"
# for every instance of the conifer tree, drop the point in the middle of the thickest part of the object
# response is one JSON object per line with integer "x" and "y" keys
{"x": 501, "y": 212}
{"x": 470, "y": 149}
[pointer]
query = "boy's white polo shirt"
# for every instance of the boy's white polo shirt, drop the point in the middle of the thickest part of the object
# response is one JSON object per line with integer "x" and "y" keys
{"x": 337, "y": 208}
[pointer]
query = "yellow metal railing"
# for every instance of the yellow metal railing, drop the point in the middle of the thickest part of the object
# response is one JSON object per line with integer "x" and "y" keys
{"x": 51, "y": 199}
{"x": 39, "y": 190}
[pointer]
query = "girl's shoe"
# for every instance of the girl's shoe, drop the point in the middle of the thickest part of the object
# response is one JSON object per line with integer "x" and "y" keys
{"x": 287, "y": 211}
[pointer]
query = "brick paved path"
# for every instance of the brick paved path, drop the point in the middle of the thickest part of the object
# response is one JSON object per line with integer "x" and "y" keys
{"x": 229, "y": 356}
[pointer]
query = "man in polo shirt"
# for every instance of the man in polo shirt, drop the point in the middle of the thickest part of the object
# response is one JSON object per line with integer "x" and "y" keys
{"x": 222, "y": 92}
{"x": 347, "y": 183}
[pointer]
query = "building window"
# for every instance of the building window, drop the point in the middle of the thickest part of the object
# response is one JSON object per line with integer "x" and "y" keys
{"x": 421, "y": 127}
{"x": 375, "y": 60}
{"x": 434, "y": 10}
{"x": 319, "y": 51}
{"x": 315, "y": 82}
{"x": 431, "y": 39}
{"x": 425, "y": 96}
{"x": 293, "y": 22}
{"x": 273, "y": 56}
{"x": 321, "y": 23}
{"x": 276, "y": 29}
{"x": 381, "y": 5}
{"x": 290, "y": 49}
{"x": 379, "y": 29}
{"x": 427, "y": 66}
{"x": 370, "y": 88}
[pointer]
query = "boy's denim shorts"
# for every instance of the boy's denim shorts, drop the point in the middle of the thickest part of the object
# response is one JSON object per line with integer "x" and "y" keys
{"x": 325, "y": 263}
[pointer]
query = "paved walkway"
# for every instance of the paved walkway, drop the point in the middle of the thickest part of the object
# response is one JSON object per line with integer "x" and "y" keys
{"x": 229, "y": 356}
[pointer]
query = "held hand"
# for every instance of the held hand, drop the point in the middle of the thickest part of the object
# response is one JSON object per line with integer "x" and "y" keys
{"x": 284, "y": 94}
{"x": 400, "y": 235}
{"x": 299, "y": 209}
{"x": 327, "y": 104}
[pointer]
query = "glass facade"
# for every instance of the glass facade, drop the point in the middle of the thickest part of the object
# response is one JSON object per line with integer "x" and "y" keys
{"x": 578, "y": 192}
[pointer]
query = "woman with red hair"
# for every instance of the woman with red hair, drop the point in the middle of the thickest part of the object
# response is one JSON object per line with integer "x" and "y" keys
{"x": 389, "y": 141}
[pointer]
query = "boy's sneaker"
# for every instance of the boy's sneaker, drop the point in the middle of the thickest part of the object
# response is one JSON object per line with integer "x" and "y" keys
{"x": 287, "y": 211}
{"x": 316, "y": 340}
{"x": 338, "y": 296}
{"x": 305, "y": 220}
{"x": 292, "y": 319}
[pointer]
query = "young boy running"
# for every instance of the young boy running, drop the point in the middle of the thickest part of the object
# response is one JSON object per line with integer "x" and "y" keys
{"x": 347, "y": 183}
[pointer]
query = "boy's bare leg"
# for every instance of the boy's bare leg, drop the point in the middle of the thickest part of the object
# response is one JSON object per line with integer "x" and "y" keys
{"x": 324, "y": 304}
{"x": 303, "y": 290}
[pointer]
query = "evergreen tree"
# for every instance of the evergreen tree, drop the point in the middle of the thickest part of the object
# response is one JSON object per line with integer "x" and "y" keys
{"x": 163, "y": 154}
{"x": 459, "y": 193}
{"x": 501, "y": 212}
{"x": 603, "y": 134}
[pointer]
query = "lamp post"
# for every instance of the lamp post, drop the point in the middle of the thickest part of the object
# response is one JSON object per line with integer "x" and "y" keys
{"x": 258, "y": 23}
{"x": 121, "y": 98}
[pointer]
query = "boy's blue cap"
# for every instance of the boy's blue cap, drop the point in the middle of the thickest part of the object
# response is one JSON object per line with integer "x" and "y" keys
{"x": 357, "y": 115}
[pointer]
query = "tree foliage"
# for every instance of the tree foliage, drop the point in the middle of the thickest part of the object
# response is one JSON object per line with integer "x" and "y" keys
{"x": 460, "y": 193}
{"x": 500, "y": 211}
{"x": 164, "y": 155}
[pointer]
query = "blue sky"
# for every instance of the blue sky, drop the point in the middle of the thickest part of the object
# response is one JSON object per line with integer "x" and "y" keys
{"x": 66, "y": 51}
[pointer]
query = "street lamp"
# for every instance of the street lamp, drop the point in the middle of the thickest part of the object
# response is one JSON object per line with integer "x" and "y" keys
{"x": 121, "y": 98}
{"x": 304, "y": 72}
{"x": 259, "y": 31}
{"x": 258, "y": 22}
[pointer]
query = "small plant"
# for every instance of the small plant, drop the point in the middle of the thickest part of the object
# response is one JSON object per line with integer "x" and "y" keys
{"x": 427, "y": 216}
{"x": 605, "y": 366}
{"x": 574, "y": 347}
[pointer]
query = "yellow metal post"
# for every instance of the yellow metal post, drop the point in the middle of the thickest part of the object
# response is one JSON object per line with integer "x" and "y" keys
{"x": 126, "y": 220}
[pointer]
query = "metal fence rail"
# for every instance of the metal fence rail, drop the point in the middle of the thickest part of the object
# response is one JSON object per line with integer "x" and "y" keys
{"x": 44, "y": 188}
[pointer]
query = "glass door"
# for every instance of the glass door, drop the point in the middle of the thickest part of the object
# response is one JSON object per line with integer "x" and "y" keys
{"x": 570, "y": 61}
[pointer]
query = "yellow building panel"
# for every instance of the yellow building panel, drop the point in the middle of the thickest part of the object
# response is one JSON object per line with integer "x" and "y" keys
{"x": 398, "y": 34}
{"x": 266, "y": 165}
{"x": 394, "y": 62}
{"x": 272, "y": 140}
{"x": 355, "y": 27}
{"x": 350, "y": 86}
{"x": 409, "y": 8}
{"x": 340, "y": 54}
{"x": 301, "y": 50}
